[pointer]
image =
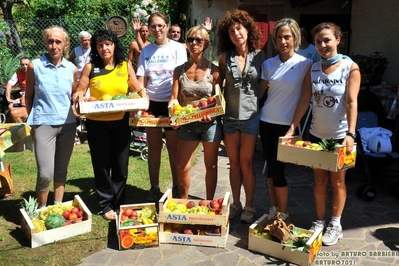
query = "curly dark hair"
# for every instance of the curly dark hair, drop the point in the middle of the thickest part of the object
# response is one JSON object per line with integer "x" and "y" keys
{"x": 241, "y": 17}
{"x": 106, "y": 35}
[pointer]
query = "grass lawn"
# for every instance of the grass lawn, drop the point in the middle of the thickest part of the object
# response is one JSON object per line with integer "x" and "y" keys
{"x": 15, "y": 247}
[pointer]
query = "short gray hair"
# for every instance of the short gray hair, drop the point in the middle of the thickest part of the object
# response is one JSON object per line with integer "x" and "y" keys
{"x": 84, "y": 34}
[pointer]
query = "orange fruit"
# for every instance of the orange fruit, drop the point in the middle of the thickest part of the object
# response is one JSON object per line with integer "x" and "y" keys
{"x": 341, "y": 161}
{"x": 127, "y": 242}
{"x": 177, "y": 107}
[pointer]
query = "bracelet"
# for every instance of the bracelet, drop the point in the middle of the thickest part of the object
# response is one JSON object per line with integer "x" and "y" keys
{"x": 353, "y": 135}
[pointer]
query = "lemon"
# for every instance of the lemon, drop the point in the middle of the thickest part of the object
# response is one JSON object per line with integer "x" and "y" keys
{"x": 171, "y": 205}
{"x": 182, "y": 207}
{"x": 107, "y": 97}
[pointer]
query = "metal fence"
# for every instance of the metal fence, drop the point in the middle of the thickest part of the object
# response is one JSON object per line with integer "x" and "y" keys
{"x": 25, "y": 36}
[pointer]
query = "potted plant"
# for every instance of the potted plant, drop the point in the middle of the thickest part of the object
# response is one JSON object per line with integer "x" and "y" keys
{"x": 372, "y": 67}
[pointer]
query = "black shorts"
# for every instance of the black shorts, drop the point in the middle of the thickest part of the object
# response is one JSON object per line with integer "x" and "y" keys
{"x": 159, "y": 109}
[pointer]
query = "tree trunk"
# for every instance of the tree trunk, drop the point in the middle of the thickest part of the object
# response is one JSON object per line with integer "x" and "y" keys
{"x": 12, "y": 35}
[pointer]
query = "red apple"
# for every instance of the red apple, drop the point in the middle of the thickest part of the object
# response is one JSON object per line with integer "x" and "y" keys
{"x": 214, "y": 205}
{"x": 203, "y": 104}
{"x": 203, "y": 203}
{"x": 188, "y": 232}
{"x": 66, "y": 214}
{"x": 144, "y": 114}
{"x": 211, "y": 101}
{"x": 220, "y": 201}
{"x": 190, "y": 204}
{"x": 195, "y": 104}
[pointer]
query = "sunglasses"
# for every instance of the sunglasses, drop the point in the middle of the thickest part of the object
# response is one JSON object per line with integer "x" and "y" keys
{"x": 192, "y": 39}
{"x": 159, "y": 26}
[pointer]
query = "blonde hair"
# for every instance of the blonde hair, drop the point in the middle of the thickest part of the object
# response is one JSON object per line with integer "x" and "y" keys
{"x": 67, "y": 40}
{"x": 294, "y": 27}
{"x": 203, "y": 33}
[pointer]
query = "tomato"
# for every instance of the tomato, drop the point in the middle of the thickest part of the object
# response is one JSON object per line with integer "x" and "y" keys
{"x": 75, "y": 210}
{"x": 72, "y": 216}
{"x": 80, "y": 214}
{"x": 124, "y": 217}
{"x": 128, "y": 212}
{"x": 66, "y": 214}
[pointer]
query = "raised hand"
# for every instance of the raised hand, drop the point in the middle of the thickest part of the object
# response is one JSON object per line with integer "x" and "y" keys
{"x": 136, "y": 24}
{"x": 207, "y": 24}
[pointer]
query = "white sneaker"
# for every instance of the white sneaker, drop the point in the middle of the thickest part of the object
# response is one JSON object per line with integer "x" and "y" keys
{"x": 332, "y": 235}
{"x": 316, "y": 225}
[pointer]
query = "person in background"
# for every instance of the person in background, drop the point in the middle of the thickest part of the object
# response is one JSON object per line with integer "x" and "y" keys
{"x": 50, "y": 82}
{"x": 175, "y": 32}
{"x": 192, "y": 81}
{"x": 240, "y": 67}
{"x": 335, "y": 102}
{"x": 282, "y": 77}
{"x": 81, "y": 56}
{"x": 155, "y": 74}
{"x": 307, "y": 49}
{"x": 108, "y": 134}
{"x": 135, "y": 48}
{"x": 17, "y": 106}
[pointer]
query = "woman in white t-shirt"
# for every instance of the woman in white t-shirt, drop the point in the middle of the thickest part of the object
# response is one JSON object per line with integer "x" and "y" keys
{"x": 155, "y": 74}
{"x": 334, "y": 83}
{"x": 281, "y": 78}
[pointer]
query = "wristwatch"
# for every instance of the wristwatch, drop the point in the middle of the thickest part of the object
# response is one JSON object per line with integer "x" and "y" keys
{"x": 353, "y": 135}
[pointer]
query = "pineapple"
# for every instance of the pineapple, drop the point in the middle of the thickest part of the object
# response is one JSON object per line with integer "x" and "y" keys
{"x": 30, "y": 207}
{"x": 329, "y": 145}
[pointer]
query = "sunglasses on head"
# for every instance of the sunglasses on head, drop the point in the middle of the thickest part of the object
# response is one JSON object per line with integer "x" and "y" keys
{"x": 192, "y": 39}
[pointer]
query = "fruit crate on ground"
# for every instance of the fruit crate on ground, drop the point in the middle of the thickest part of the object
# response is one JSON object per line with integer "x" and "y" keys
{"x": 266, "y": 245}
{"x": 198, "y": 235}
{"x": 193, "y": 222}
{"x": 214, "y": 108}
{"x": 149, "y": 122}
{"x": 335, "y": 161}
{"x": 180, "y": 215}
{"x": 137, "y": 227}
{"x": 49, "y": 236}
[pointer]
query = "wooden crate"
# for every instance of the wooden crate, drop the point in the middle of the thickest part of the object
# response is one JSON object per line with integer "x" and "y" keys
{"x": 218, "y": 110}
{"x": 113, "y": 106}
{"x": 331, "y": 161}
{"x": 197, "y": 240}
{"x": 140, "y": 236}
{"x": 189, "y": 218}
{"x": 149, "y": 122}
{"x": 50, "y": 236}
{"x": 275, "y": 249}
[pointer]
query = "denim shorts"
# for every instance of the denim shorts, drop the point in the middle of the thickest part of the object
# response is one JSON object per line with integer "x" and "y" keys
{"x": 250, "y": 126}
{"x": 206, "y": 132}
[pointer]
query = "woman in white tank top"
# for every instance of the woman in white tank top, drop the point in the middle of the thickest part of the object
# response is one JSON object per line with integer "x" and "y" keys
{"x": 334, "y": 82}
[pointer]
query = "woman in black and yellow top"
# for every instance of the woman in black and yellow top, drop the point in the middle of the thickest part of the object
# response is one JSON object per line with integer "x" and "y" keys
{"x": 108, "y": 134}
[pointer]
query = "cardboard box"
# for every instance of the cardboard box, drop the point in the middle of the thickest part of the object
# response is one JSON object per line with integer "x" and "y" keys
{"x": 275, "y": 249}
{"x": 49, "y": 236}
{"x": 210, "y": 240}
{"x": 332, "y": 161}
{"x": 149, "y": 122}
{"x": 112, "y": 106}
{"x": 219, "y": 109}
{"x": 139, "y": 236}
{"x": 166, "y": 216}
